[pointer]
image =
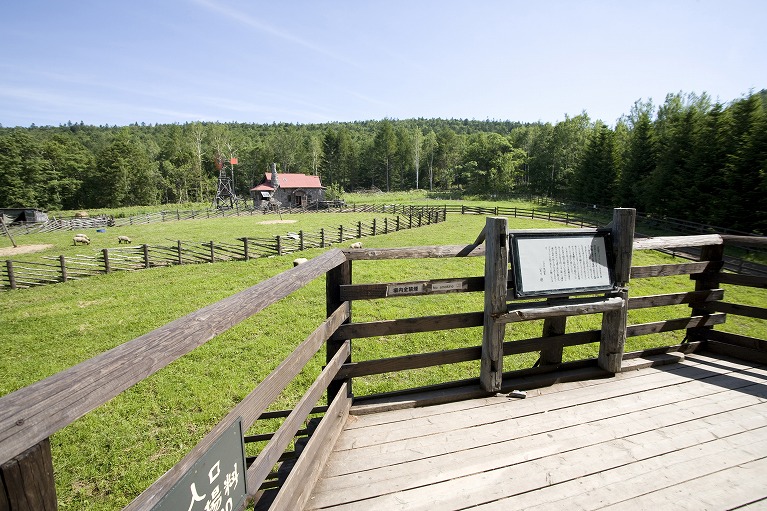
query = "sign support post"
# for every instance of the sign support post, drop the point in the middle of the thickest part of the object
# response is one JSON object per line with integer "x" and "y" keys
{"x": 496, "y": 285}
{"x": 612, "y": 344}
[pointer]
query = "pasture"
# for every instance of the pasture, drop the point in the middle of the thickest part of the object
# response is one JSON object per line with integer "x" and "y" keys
{"x": 108, "y": 457}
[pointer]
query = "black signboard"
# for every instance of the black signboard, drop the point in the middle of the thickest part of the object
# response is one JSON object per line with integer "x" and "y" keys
{"x": 216, "y": 481}
{"x": 561, "y": 263}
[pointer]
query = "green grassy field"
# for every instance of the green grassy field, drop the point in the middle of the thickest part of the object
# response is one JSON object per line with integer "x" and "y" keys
{"x": 108, "y": 457}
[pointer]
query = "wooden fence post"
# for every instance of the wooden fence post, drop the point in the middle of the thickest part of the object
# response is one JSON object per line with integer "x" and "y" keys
{"x": 279, "y": 245}
{"x": 26, "y": 481}
{"x": 301, "y": 240}
{"x": 713, "y": 253}
{"x": 322, "y": 237}
{"x": 178, "y": 248}
{"x": 245, "y": 253}
{"x": 11, "y": 276}
{"x": 63, "y": 266}
{"x": 612, "y": 344}
{"x": 340, "y": 233}
{"x": 146, "y": 255}
{"x": 386, "y": 225}
{"x": 552, "y": 355}
{"x": 338, "y": 276}
{"x": 398, "y": 222}
{"x": 374, "y": 227}
{"x": 496, "y": 286}
{"x": 105, "y": 254}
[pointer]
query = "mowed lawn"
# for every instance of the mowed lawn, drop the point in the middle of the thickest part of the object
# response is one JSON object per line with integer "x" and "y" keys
{"x": 105, "y": 459}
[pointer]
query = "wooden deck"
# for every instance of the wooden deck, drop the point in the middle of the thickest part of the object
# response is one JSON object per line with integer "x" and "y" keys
{"x": 691, "y": 435}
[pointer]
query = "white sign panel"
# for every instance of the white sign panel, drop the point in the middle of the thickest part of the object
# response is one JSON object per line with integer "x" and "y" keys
{"x": 561, "y": 264}
{"x": 448, "y": 285}
{"x": 412, "y": 288}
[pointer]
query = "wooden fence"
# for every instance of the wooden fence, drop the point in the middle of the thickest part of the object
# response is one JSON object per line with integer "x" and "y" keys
{"x": 23, "y": 274}
{"x": 280, "y": 477}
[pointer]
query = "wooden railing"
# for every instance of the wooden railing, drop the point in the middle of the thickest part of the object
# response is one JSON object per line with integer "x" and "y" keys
{"x": 30, "y": 415}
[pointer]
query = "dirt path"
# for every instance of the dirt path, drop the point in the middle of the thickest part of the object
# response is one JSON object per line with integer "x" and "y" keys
{"x": 23, "y": 249}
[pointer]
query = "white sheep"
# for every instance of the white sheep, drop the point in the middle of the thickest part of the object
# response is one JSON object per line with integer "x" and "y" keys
{"x": 300, "y": 260}
{"x": 81, "y": 238}
{"x": 123, "y": 239}
{"x": 356, "y": 245}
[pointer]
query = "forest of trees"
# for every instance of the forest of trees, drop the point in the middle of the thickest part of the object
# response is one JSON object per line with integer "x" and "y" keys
{"x": 689, "y": 158}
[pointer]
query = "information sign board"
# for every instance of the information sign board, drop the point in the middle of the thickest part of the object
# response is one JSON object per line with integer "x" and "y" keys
{"x": 216, "y": 481}
{"x": 549, "y": 264}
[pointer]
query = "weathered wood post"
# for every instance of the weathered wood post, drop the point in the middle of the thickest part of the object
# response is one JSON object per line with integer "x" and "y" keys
{"x": 26, "y": 481}
{"x": 705, "y": 281}
{"x": 397, "y": 223}
{"x": 178, "y": 248}
{"x": 279, "y": 245}
{"x": 341, "y": 233}
{"x": 11, "y": 276}
{"x": 386, "y": 225}
{"x": 63, "y": 266}
{"x": 359, "y": 229}
{"x": 301, "y": 240}
{"x": 105, "y": 255}
{"x": 245, "y": 246}
{"x": 612, "y": 344}
{"x": 552, "y": 354}
{"x": 146, "y": 255}
{"x": 496, "y": 285}
{"x": 335, "y": 278}
{"x": 374, "y": 227}
{"x": 322, "y": 237}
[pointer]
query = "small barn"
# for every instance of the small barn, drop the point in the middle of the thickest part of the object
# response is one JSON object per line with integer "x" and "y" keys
{"x": 294, "y": 190}
{"x": 28, "y": 215}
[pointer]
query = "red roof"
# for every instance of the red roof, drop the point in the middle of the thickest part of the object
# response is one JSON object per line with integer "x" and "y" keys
{"x": 289, "y": 181}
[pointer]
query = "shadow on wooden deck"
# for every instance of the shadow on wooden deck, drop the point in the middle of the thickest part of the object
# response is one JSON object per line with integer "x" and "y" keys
{"x": 690, "y": 435}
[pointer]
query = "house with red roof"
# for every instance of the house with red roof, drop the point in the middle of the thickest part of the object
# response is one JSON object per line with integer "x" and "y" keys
{"x": 294, "y": 190}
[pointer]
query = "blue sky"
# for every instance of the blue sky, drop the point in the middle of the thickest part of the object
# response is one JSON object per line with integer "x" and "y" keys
{"x": 176, "y": 61}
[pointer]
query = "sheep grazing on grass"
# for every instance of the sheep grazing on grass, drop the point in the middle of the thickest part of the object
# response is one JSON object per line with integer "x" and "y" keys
{"x": 123, "y": 239}
{"x": 81, "y": 238}
{"x": 356, "y": 245}
{"x": 300, "y": 260}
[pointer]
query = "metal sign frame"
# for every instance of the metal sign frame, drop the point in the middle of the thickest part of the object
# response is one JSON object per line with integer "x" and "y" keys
{"x": 561, "y": 263}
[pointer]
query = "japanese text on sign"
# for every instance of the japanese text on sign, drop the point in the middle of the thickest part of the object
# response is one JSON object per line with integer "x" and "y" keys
{"x": 561, "y": 263}
{"x": 216, "y": 482}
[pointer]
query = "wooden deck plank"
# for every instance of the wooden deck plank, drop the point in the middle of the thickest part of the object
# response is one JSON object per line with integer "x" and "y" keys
{"x": 664, "y": 426}
{"x": 721, "y": 490}
{"x": 628, "y": 482}
{"x": 664, "y": 400}
{"x": 411, "y": 413}
{"x": 383, "y": 433}
{"x": 608, "y": 439}
{"x": 441, "y": 491}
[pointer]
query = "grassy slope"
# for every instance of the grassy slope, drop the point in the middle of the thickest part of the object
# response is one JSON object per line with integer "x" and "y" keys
{"x": 111, "y": 455}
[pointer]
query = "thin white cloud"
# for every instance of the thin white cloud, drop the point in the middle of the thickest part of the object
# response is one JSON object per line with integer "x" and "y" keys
{"x": 252, "y": 22}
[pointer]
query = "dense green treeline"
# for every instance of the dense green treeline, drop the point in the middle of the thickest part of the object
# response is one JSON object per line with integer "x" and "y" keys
{"x": 688, "y": 158}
